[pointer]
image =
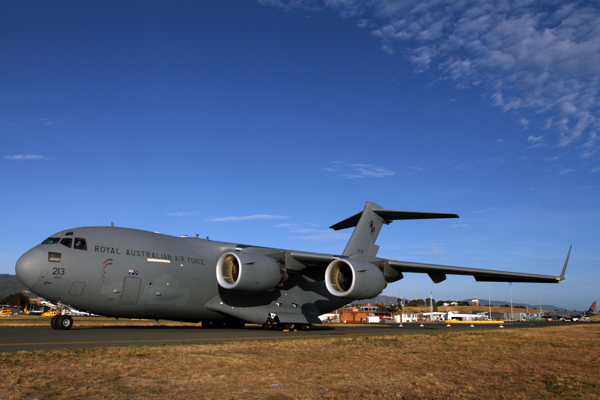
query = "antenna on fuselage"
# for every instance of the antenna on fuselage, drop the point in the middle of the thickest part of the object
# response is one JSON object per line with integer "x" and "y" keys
{"x": 112, "y": 224}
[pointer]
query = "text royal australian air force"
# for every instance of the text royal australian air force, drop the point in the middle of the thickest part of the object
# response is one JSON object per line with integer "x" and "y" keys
{"x": 149, "y": 255}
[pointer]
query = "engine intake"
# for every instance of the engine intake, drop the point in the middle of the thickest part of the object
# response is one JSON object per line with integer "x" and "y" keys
{"x": 249, "y": 272}
{"x": 353, "y": 279}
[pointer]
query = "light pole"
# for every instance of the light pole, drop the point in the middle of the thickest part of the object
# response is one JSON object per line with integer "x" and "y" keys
{"x": 526, "y": 305}
{"x": 431, "y": 305}
{"x": 511, "y": 307}
{"x": 489, "y": 303}
{"x": 401, "y": 309}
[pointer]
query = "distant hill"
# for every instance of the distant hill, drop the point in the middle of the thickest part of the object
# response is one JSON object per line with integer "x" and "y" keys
{"x": 10, "y": 284}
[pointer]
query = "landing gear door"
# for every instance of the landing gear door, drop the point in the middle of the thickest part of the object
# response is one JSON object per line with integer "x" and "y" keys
{"x": 131, "y": 291}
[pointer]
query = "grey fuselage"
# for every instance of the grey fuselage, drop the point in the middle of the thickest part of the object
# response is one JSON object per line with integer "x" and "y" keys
{"x": 139, "y": 274}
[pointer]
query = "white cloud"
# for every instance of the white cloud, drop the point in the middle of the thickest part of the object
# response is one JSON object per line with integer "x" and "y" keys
{"x": 353, "y": 171}
{"x": 25, "y": 157}
{"x": 289, "y": 5}
{"x": 591, "y": 145}
{"x": 488, "y": 210}
{"x": 538, "y": 141}
{"x": 298, "y": 228}
{"x": 325, "y": 236}
{"x": 245, "y": 218}
{"x": 427, "y": 249}
{"x": 181, "y": 214}
{"x": 566, "y": 171}
{"x": 539, "y": 56}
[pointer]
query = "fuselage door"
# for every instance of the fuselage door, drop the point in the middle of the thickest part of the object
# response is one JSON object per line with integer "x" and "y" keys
{"x": 131, "y": 291}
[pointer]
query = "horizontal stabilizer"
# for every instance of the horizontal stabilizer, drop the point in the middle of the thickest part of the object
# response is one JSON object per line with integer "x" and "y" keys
{"x": 391, "y": 215}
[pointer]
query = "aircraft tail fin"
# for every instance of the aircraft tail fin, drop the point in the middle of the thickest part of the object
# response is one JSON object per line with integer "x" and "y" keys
{"x": 592, "y": 309}
{"x": 368, "y": 224}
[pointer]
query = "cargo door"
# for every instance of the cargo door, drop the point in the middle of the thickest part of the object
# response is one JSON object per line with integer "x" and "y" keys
{"x": 131, "y": 291}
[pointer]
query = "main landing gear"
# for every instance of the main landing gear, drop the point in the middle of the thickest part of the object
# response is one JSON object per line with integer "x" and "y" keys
{"x": 274, "y": 324}
{"x": 61, "y": 322}
{"x": 286, "y": 327}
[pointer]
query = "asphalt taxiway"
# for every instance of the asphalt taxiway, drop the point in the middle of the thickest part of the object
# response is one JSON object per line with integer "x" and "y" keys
{"x": 14, "y": 339}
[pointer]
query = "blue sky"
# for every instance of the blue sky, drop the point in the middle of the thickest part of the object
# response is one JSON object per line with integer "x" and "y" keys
{"x": 264, "y": 122}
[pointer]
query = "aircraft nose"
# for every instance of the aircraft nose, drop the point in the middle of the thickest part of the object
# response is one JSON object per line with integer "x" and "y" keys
{"x": 29, "y": 267}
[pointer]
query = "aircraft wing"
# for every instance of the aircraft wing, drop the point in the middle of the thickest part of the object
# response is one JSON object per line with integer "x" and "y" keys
{"x": 436, "y": 272}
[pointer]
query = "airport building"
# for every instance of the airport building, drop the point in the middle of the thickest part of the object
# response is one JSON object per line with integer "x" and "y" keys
{"x": 368, "y": 314}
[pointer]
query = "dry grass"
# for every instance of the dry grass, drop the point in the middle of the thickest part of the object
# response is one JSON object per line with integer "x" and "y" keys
{"x": 554, "y": 362}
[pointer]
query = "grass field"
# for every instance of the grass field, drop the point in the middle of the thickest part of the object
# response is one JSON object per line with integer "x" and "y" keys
{"x": 557, "y": 362}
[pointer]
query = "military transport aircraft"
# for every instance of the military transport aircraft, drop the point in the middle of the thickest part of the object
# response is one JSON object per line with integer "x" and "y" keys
{"x": 128, "y": 273}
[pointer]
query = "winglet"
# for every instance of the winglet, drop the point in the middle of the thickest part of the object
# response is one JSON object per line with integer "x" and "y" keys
{"x": 562, "y": 276}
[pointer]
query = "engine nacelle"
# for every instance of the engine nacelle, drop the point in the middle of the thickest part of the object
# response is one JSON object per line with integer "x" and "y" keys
{"x": 353, "y": 279}
{"x": 249, "y": 272}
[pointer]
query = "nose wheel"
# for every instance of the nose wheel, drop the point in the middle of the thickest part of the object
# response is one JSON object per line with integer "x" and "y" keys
{"x": 61, "y": 322}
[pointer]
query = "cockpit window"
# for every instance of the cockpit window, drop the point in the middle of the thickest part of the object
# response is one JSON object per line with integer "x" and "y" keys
{"x": 80, "y": 244}
{"x": 66, "y": 242}
{"x": 51, "y": 240}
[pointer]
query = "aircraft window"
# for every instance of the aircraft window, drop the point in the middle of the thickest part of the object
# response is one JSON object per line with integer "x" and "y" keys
{"x": 51, "y": 240}
{"x": 66, "y": 242}
{"x": 69, "y": 234}
{"x": 80, "y": 244}
{"x": 53, "y": 257}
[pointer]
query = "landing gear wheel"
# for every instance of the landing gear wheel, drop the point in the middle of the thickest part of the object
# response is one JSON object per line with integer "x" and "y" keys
{"x": 305, "y": 327}
{"x": 207, "y": 325}
{"x": 267, "y": 326}
{"x": 54, "y": 322}
{"x": 64, "y": 322}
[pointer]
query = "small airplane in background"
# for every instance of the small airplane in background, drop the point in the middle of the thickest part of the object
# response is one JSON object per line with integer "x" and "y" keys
{"x": 6, "y": 310}
{"x": 129, "y": 273}
{"x": 569, "y": 315}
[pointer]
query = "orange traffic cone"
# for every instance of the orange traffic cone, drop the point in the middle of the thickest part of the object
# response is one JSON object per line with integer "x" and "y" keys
{"x": 400, "y": 326}
{"x": 472, "y": 326}
{"x": 448, "y": 325}
{"x": 422, "y": 325}
{"x": 501, "y": 326}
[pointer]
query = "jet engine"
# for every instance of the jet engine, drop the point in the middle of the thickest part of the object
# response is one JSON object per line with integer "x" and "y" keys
{"x": 353, "y": 279}
{"x": 249, "y": 272}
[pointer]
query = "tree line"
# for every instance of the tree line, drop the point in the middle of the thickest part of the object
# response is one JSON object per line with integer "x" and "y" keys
{"x": 15, "y": 299}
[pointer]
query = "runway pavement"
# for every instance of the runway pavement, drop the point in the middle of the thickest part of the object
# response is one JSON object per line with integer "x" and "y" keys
{"x": 14, "y": 339}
